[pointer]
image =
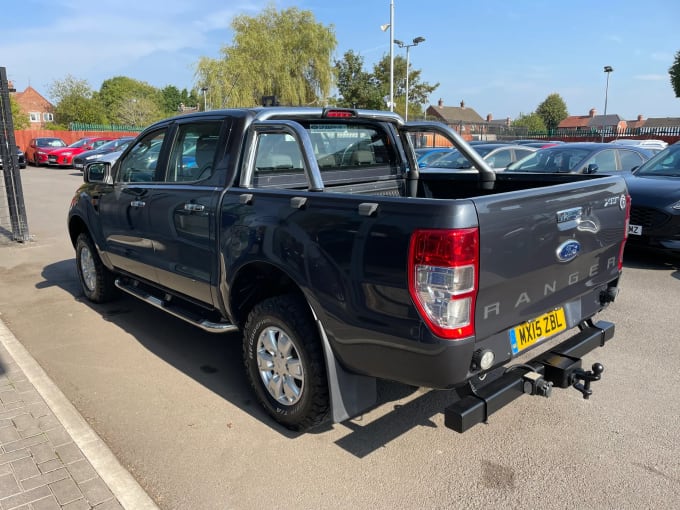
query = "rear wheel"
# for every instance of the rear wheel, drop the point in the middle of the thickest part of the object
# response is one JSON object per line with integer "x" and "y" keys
{"x": 284, "y": 362}
{"x": 96, "y": 280}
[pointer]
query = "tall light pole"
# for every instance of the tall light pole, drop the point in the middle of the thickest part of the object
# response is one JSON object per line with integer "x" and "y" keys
{"x": 399, "y": 43}
{"x": 205, "y": 101}
{"x": 384, "y": 27}
{"x": 608, "y": 70}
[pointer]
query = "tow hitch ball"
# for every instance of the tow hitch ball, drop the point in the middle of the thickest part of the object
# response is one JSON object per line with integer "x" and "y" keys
{"x": 587, "y": 377}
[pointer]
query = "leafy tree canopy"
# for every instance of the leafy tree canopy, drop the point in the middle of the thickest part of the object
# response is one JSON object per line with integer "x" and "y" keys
{"x": 19, "y": 118}
{"x": 286, "y": 54}
{"x": 126, "y": 98}
{"x": 75, "y": 101}
{"x": 674, "y": 73}
{"x": 552, "y": 110}
{"x": 356, "y": 87}
{"x": 532, "y": 121}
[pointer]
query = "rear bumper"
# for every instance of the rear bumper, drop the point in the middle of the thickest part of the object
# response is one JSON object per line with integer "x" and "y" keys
{"x": 556, "y": 366}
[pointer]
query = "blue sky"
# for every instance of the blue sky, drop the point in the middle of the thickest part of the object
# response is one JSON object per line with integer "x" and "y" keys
{"x": 499, "y": 56}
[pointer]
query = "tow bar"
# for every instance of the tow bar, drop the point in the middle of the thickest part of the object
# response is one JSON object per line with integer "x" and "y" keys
{"x": 559, "y": 367}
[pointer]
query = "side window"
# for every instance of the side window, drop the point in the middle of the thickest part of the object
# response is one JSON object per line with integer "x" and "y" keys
{"x": 193, "y": 153}
{"x": 278, "y": 152}
{"x": 139, "y": 164}
{"x": 500, "y": 160}
{"x": 629, "y": 160}
{"x": 605, "y": 160}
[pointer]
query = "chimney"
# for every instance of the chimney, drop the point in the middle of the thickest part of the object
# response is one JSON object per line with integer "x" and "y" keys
{"x": 489, "y": 117}
{"x": 508, "y": 122}
{"x": 440, "y": 103}
{"x": 640, "y": 118}
{"x": 462, "y": 104}
{"x": 592, "y": 112}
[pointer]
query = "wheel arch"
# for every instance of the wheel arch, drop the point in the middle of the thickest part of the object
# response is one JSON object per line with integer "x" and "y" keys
{"x": 350, "y": 393}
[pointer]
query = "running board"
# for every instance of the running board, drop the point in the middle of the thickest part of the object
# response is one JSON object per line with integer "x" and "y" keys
{"x": 175, "y": 310}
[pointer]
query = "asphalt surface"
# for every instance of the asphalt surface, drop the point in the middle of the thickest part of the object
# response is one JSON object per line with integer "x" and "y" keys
{"x": 173, "y": 406}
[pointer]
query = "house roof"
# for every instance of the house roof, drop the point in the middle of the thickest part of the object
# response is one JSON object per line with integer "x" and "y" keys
{"x": 585, "y": 121}
{"x": 455, "y": 114}
{"x": 662, "y": 122}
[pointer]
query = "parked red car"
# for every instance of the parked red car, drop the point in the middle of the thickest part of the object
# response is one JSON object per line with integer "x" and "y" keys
{"x": 64, "y": 157}
{"x": 36, "y": 152}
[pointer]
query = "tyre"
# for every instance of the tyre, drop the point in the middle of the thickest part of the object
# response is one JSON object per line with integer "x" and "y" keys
{"x": 285, "y": 364}
{"x": 96, "y": 280}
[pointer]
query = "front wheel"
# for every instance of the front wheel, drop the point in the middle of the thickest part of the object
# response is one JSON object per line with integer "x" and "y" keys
{"x": 96, "y": 280}
{"x": 284, "y": 362}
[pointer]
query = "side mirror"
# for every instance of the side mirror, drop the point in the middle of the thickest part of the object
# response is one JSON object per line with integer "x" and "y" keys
{"x": 592, "y": 168}
{"x": 98, "y": 172}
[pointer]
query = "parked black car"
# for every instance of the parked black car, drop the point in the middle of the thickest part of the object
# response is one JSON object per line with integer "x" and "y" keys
{"x": 583, "y": 158}
{"x": 654, "y": 189}
{"x": 21, "y": 158}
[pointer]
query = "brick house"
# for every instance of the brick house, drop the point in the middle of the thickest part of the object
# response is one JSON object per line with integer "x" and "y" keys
{"x": 593, "y": 122}
{"x": 39, "y": 110}
{"x": 463, "y": 119}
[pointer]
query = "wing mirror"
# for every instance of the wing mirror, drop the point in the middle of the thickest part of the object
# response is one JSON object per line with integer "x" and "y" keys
{"x": 98, "y": 172}
{"x": 591, "y": 169}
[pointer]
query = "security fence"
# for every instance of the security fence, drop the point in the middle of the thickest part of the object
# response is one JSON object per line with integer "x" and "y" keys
{"x": 13, "y": 222}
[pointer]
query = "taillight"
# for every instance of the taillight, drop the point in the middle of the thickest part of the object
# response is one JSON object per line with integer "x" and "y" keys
{"x": 625, "y": 232}
{"x": 443, "y": 277}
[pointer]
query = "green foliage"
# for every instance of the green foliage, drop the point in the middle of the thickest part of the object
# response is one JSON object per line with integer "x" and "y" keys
{"x": 285, "y": 54}
{"x": 75, "y": 101}
{"x": 552, "y": 110}
{"x": 533, "y": 122}
{"x": 356, "y": 87}
{"x": 20, "y": 119}
{"x": 131, "y": 102}
{"x": 418, "y": 91}
{"x": 674, "y": 72}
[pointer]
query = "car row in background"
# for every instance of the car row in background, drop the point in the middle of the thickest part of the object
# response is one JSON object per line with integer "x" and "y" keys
{"x": 38, "y": 148}
{"x": 86, "y": 157}
{"x": 583, "y": 158}
{"x": 654, "y": 190}
{"x": 497, "y": 155}
{"x": 63, "y": 157}
{"x": 21, "y": 158}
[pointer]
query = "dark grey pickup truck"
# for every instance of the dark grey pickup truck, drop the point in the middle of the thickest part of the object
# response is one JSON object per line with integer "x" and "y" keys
{"x": 314, "y": 233}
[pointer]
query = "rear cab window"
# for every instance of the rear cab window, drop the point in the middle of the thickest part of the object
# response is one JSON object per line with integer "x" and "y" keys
{"x": 345, "y": 152}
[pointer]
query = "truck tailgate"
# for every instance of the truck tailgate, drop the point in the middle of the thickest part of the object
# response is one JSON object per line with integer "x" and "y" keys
{"x": 543, "y": 248}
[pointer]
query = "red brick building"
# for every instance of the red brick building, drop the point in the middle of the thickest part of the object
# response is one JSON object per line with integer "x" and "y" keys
{"x": 38, "y": 109}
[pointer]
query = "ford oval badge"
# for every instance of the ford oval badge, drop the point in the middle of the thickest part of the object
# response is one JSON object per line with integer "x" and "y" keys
{"x": 568, "y": 250}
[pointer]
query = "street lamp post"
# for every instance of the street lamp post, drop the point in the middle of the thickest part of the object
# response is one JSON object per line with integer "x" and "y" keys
{"x": 608, "y": 70}
{"x": 384, "y": 27}
{"x": 399, "y": 43}
{"x": 205, "y": 101}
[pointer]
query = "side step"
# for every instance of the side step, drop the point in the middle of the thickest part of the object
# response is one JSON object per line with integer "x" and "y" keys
{"x": 168, "y": 306}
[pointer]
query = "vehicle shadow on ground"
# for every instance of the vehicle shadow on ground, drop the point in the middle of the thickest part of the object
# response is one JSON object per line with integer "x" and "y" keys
{"x": 648, "y": 259}
{"x": 216, "y": 362}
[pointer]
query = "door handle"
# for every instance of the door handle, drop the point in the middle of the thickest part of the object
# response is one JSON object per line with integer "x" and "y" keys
{"x": 194, "y": 207}
{"x": 137, "y": 203}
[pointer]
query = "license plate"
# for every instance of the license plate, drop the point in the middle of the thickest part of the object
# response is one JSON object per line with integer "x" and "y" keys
{"x": 77, "y": 165}
{"x": 533, "y": 331}
{"x": 635, "y": 230}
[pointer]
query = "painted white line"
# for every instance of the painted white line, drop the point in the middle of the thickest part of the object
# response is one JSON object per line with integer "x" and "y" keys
{"x": 122, "y": 484}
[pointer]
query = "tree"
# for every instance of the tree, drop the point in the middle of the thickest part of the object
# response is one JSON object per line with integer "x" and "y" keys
{"x": 674, "y": 72}
{"x": 533, "y": 122}
{"x": 552, "y": 110}
{"x": 357, "y": 88}
{"x": 418, "y": 92}
{"x": 127, "y": 99}
{"x": 19, "y": 118}
{"x": 285, "y": 54}
{"x": 75, "y": 101}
